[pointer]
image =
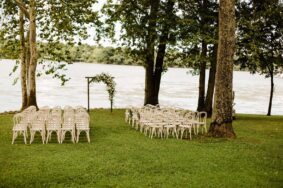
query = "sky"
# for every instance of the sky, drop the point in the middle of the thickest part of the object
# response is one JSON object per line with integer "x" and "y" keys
{"x": 91, "y": 31}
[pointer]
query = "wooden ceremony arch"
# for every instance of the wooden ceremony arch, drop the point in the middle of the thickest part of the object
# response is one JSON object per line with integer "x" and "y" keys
{"x": 108, "y": 80}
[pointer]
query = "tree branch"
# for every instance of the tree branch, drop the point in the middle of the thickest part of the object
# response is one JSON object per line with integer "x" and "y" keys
{"x": 23, "y": 8}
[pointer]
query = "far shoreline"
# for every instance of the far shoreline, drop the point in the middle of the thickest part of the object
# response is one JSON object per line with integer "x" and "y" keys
{"x": 175, "y": 67}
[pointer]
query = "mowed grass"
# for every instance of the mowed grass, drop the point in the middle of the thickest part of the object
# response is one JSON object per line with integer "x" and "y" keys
{"x": 119, "y": 156}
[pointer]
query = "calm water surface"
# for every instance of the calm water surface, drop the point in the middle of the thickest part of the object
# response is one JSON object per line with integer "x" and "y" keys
{"x": 178, "y": 88}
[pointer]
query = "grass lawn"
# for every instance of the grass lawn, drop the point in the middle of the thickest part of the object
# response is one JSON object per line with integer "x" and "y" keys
{"x": 119, "y": 156}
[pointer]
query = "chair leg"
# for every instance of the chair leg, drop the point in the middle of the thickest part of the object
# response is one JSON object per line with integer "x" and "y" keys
{"x": 197, "y": 128}
{"x": 50, "y": 137}
{"x": 58, "y": 136}
{"x": 141, "y": 128}
{"x": 186, "y": 134}
{"x": 31, "y": 136}
{"x": 87, "y": 134}
{"x": 73, "y": 136}
{"x": 14, "y": 136}
{"x": 78, "y": 135}
{"x": 176, "y": 133}
{"x": 43, "y": 137}
{"x": 25, "y": 139}
{"x": 145, "y": 131}
{"x": 26, "y": 133}
{"x": 152, "y": 132}
{"x": 47, "y": 137}
{"x": 182, "y": 132}
{"x": 63, "y": 136}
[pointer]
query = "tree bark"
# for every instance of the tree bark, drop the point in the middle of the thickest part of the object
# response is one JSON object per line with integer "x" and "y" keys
{"x": 201, "y": 95}
{"x": 149, "y": 65}
{"x": 33, "y": 55}
{"x": 211, "y": 82}
{"x": 23, "y": 8}
{"x": 271, "y": 91}
{"x": 27, "y": 61}
{"x": 221, "y": 125}
{"x": 23, "y": 62}
{"x": 161, "y": 52}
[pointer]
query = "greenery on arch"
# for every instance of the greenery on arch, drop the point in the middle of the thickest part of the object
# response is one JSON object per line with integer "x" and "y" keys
{"x": 110, "y": 84}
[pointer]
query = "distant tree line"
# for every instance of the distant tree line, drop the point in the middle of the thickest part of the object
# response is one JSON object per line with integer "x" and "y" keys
{"x": 9, "y": 49}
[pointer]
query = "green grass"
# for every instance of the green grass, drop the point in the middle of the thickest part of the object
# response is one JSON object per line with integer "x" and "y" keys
{"x": 119, "y": 156}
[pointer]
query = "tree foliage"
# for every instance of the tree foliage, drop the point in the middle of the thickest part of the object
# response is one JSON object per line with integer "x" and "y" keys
{"x": 50, "y": 21}
{"x": 260, "y": 38}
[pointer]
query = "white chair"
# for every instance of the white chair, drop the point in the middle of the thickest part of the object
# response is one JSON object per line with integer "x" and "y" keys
{"x": 38, "y": 125}
{"x": 82, "y": 124}
{"x": 20, "y": 127}
{"x": 156, "y": 126}
{"x": 201, "y": 117}
{"x": 185, "y": 126}
{"x": 53, "y": 125}
{"x": 171, "y": 126}
{"x": 68, "y": 125}
{"x": 29, "y": 114}
{"x": 135, "y": 118}
{"x": 192, "y": 117}
{"x": 127, "y": 115}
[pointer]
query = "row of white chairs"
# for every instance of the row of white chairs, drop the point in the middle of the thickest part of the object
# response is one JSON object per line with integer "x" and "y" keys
{"x": 48, "y": 120}
{"x": 163, "y": 122}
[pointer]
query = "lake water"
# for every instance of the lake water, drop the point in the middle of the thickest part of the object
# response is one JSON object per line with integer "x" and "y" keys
{"x": 178, "y": 88}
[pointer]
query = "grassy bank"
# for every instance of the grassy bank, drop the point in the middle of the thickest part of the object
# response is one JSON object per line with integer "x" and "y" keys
{"x": 119, "y": 156}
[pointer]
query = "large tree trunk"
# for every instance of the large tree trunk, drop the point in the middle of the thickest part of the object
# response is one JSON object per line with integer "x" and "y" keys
{"x": 33, "y": 55}
{"x": 23, "y": 62}
{"x": 271, "y": 92}
{"x": 161, "y": 51}
{"x": 149, "y": 65}
{"x": 159, "y": 66}
{"x": 221, "y": 125}
{"x": 27, "y": 61}
{"x": 211, "y": 82}
{"x": 201, "y": 95}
